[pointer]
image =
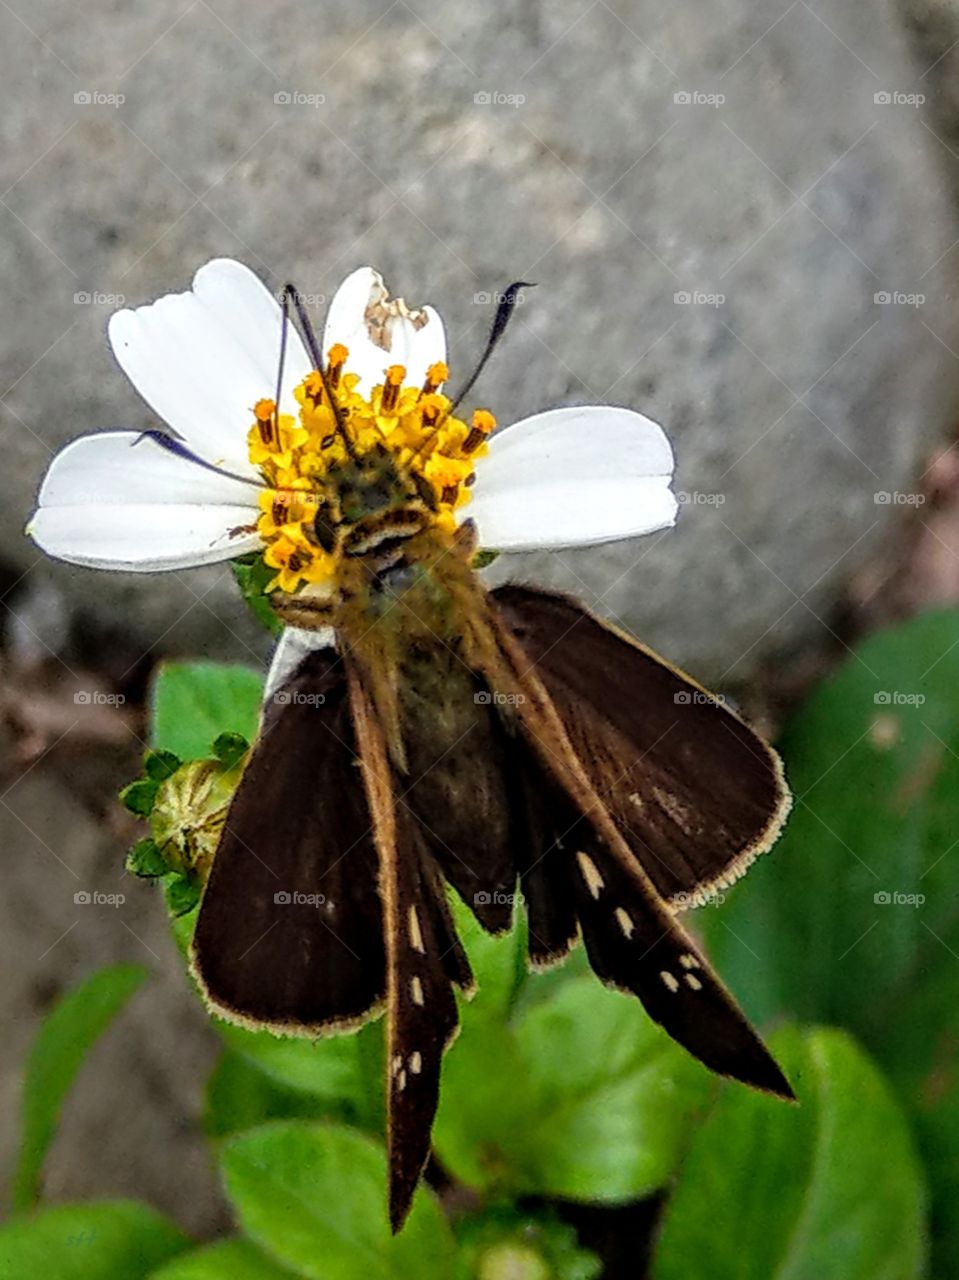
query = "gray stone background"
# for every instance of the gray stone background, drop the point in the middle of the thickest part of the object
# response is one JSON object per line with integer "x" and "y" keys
{"x": 742, "y": 220}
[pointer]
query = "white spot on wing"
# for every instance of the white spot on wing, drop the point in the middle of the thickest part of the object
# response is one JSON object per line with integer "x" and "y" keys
{"x": 669, "y": 981}
{"x": 416, "y": 1062}
{"x": 625, "y": 922}
{"x": 416, "y": 991}
{"x": 693, "y": 982}
{"x": 594, "y": 881}
{"x": 415, "y": 932}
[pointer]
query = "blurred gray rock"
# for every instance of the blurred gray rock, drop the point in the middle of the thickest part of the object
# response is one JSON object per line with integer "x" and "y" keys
{"x": 767, "y": 164}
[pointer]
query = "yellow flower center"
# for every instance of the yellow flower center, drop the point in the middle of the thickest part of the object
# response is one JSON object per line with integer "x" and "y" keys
{"x": 295, "y": 456}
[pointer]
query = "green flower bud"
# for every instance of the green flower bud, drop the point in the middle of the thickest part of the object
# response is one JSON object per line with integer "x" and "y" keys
{"x": 189, "y": 812}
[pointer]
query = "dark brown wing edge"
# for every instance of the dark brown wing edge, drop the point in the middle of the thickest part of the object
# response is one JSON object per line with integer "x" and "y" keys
{"x": 290, "y": 932}
{"x": 697, "y": 794}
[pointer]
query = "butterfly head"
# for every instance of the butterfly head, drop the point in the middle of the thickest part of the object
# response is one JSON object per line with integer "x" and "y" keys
{"x": 357, "y": 472}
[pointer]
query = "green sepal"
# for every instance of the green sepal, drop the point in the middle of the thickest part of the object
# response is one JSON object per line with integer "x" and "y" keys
{"x": 230, "y": 748}
{"x": 139, "y": 796}
{"x": 484, "y": 558}
{"x": 160, "y": 765}
{"x": 182, "y": 895}
{"x": 145, "y": 859}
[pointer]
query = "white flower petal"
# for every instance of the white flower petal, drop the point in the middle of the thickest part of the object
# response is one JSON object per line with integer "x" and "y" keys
{"x": 572, "y": 477}
{"x": 237, "y": 298}
{"x": 123, "y": 467}
{"x": 202, "y": 359}
{"x": 294, "y": 644}
{"x": 427, "y": 346}
{"x": 416, "y": 348}
{"x": 346, "y": 323}
{"x": 142, "y": 537}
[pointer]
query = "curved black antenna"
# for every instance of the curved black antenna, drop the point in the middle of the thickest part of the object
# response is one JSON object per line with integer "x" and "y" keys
{"x": 172, "y": 445}
{"x": 291, "y": 294}
{"x": 503, "y": 312}
{"x": 284, "y": 326}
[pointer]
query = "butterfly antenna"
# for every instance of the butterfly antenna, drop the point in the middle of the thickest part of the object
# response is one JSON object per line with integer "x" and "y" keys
{"x": 503, "y": 312}
{"x": 284, "y": 329}
{"x": 290, "y": 296}
{"x": 173, "y": 444}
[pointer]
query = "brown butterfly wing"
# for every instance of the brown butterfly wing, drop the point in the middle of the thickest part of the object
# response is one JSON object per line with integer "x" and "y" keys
{"x": 290, "y": 932}
{"x": 697, "y": 794}
{"x": 633, "y": 938}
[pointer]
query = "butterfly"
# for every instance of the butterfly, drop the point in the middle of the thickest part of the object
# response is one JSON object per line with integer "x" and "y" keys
{"x": 425, "y": 732}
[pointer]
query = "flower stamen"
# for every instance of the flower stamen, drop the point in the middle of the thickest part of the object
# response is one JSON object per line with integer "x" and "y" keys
{"x": 391, "y": 388}
{"x": 436, "y": 375}
{"x": 481, "y": 425}
{"x": 335, "y": 361}
{"x": 265, "y": 413}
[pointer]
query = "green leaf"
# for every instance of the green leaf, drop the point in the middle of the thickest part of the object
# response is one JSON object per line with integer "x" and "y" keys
{"x": 343, "y": 1074}
{"x": 817, "y": 931}
{"x": 314, "y": 1197}
{"x": 225, "y": 1260}
{"x": 101, "y": 1240}
{"x": 498, "y": 963}
{"x": 63, "y": 1041}
{"x": 194, "y": 702}
{"x": 829, "y": 1188}
{"x": 239, "y": 1096}
{"x": 580, "y": 1096}
{"x": 252, "y": 577}
{"x": 483, "y": 559}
